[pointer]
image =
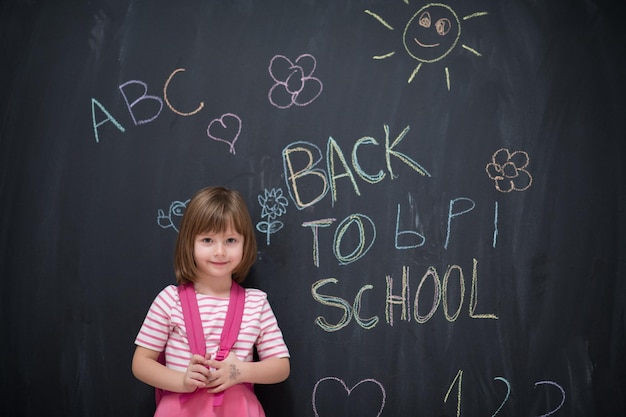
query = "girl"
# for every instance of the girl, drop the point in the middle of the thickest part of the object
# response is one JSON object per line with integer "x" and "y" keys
{"x": 216, "y": 245}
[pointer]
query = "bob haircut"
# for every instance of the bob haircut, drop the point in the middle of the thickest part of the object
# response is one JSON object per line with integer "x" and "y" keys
{"x": 214, "y": 209}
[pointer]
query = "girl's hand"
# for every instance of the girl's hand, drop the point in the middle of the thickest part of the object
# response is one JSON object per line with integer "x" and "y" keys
{"x": 197, "y": 374}
{"x": 224, "y": 373}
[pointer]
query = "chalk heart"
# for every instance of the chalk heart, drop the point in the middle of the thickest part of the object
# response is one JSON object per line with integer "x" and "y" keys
{"x": 222, "y": 130}
{"x": 349, "y": 391}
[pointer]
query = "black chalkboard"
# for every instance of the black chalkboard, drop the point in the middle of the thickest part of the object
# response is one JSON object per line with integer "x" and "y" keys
{"x": 438, "y": 190}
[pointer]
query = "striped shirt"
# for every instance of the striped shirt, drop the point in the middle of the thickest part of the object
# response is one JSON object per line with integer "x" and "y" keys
{"x": 164, "y": 328}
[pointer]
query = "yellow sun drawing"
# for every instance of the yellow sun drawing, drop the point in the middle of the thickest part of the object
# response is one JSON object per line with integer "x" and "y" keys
{"x": 430, "y": 35}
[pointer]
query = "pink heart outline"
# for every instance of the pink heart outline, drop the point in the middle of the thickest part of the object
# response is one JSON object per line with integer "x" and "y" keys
{"x": 223, "y": 124}
{"x": 349, "y": 391}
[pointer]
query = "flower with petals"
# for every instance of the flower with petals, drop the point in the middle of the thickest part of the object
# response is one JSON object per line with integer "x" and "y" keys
{"x": 273, "y": 205}
{"x": 294, "y": 81}
{"x": 508, "y": 170}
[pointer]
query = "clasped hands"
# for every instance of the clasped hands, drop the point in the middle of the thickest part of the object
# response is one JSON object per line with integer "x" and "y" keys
{"x": 216, "y": 376}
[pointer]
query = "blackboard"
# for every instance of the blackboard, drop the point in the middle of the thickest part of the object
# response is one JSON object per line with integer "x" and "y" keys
{"x": 438, "y": 190}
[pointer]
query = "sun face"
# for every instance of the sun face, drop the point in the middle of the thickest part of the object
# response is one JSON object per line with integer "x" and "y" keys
{"x": 430, "y": 35}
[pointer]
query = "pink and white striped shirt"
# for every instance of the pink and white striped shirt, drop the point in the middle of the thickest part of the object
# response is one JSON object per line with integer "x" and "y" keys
{"x": 164, "y": 328}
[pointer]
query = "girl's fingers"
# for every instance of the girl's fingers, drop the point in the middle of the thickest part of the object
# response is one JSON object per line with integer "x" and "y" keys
{"x": 198, "y": 359}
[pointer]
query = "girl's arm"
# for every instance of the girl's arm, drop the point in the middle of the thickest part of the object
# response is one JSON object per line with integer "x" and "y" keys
{"x": 147, "y": 368}
{"x": 267, "y": 371}
{"x": 233, "y": 371}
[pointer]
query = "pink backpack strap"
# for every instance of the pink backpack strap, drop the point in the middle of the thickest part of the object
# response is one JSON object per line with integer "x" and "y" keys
{"x": 193, "y": 322}
{"x": 232, "y": 324}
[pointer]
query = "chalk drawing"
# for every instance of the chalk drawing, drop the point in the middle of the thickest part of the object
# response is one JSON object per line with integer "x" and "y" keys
{"x": 430, "y": 35}
{"x": 349, "y": 391}
{"x": 223, "y": 130}
{"x": 273, "y": 205}
{"x": 508, "y": 170}
{"x": 294, "y": 82}
{"x": 173, "y": 215}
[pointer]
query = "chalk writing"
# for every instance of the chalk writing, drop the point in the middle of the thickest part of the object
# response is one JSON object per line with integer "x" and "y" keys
{"x": 361, "y": 222}
{"x": 453, "y": 214}
{"x": 273, "y": 205}
{"x": 560, "y": 388}
{"x": 293, "y": 82}
{"x": 506, "y": 397}
{"x": 169, "y": 104}
{"x": 365, "y": 236}
{"x": 173, "y": 215}
{"x": 366, "y": 231}
{"x": 508, "y": 170}
{"x": 401, "y": 300}
{"x": 495, "y": 225}
{"x": 301, "y": 162}
{"x": 349, "y": 391}
{"x": 430, "y": 35}
{"x": 315, "y": 225}
{"x": 440, "y": 293}
{"x": 421, "y": 238}
{"x": 145, "y": 108}
{"x": 458, "y": 380}
{"x": 141, "y": 100}
{"x": 349, "y": 311}
{"x": 225, "y": 129}
{"x": 439, "y": 297}
{"x": 108, "y": 118}
{"x": 431, "y": 272}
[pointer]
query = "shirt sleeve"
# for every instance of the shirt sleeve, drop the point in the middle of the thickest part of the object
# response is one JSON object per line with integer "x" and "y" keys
{"x": 270, "y": 342}
{"x": 157, "y": 325}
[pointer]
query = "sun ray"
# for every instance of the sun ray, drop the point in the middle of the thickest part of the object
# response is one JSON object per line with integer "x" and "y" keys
{"x": 384, "y": 56}
{"x": 380, "y": 19}
{"x": 447, "y": 77}
{"x": 475, "y": 52}
{"x": 415, "y": 72}
{"x": 477, "y": 14}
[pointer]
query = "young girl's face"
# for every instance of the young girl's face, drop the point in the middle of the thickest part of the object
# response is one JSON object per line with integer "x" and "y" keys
{"x": 218, "y": 254}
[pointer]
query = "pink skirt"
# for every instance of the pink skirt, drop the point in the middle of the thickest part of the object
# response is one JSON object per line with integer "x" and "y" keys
{"x": 238, "y": 401}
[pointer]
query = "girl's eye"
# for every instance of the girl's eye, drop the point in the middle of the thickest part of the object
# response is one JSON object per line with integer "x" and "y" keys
{"x": 231, "y": 240}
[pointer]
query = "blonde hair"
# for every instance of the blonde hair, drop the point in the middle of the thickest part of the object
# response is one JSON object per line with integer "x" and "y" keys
{"x": 214, "y": 209}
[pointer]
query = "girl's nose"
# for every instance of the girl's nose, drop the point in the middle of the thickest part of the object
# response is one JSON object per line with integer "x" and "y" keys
{"x": 219, "y": 249}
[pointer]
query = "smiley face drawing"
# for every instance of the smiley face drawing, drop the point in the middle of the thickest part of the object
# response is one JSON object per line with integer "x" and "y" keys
{"x": 432, "y": 33}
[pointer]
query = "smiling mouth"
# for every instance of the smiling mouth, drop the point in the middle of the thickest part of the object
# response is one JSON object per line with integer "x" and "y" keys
{"x": 424, "y": 45}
